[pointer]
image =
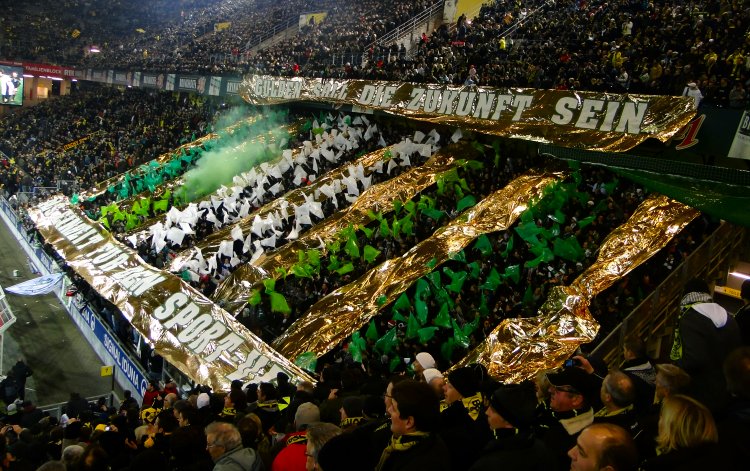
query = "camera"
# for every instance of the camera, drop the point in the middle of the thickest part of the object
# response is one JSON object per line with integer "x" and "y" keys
{"x": 572, "y": 362}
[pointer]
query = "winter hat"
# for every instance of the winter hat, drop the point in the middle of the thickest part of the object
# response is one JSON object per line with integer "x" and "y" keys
{"x": 352, "y": 405}
{"x": 203, "y": 400}
{"x": 307, "y": 413}
{"x": 516, "y": 403}
{"x": 464, "y": 381}
{"x": 339, "y": 453}
{"x": 426, "y": 360}
{"x": 430, "y": 374}
{"x": 576, "y": 381}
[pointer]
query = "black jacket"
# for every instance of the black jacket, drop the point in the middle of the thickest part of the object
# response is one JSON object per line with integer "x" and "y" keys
{"x": 430, "y": 454}
{"x": 514, "y": 450}
{"x": 708, "y": 335}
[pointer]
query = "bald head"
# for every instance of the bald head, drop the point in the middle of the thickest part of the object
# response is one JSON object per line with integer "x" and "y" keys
{"x": 604, "y": 447}
{"x": 618, "y": 391}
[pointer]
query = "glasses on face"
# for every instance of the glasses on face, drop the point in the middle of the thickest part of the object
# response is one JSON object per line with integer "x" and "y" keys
{"x": 565, "y": 389}
{"x": 211, "y": 445}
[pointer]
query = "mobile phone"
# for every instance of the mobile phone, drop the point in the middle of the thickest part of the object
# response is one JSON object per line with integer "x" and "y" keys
{"x": 571, "y": 363}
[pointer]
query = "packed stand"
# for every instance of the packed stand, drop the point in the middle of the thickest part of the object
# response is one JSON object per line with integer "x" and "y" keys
{"x": 92, "y": 135}
{"x": 689, "y": 412}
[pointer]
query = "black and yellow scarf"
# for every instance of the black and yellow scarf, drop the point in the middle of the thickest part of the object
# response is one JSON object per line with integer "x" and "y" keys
{"x": 687, "y": 302}
{"x": 401, "y": 443}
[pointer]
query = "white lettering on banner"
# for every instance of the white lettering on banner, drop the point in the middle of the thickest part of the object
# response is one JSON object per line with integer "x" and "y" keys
{"x": 189, "y": 83}
{"x": 589, "y": 114}
{"x": 149, "y": 80}
{"x": 138, "y": 280}
{"x": 287, "y": 89}
{"x": 182, "y": 315}
{"x": 120, "y": 77}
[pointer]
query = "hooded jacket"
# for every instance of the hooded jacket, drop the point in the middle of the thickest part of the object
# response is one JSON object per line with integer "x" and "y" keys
{"x": 239, "y": 459}
{"x": 706, "y": 335}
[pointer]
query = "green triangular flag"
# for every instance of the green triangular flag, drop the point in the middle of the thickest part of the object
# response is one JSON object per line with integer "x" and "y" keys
{"x": 278, "y": 303}
{"x": 434, "y": 277}
{"x": 514, "y": 273}
{"x": 348, "y": 267}
{"x": 386, "y": 343}
{"x": 483, "y": 245}
{"x": 351, "y": 248}
{"x": 372, "y": 332}
{"x": 255, "y": 298}
{"x": 308, "y": 361}
{"x": 432, "y": 263}
{"x": 459, "y": 256}
{"x": 412, "y": 327}
{"x": 370, "y": 253}
{"x": 493, "y": 281}
{"x": 457, "y": 279}
{"x": 474, "y": 270}
{"x": 402, "y": 303}
{"x": 586, "y": 221}
{"x": 422, "y": 291}
{"x": 269, "y": 284}
{"x": 458, "y": 336}
{"x": 395, "y": 361}
{"x": 568, "y": 248}
{"x": 398, "y": 317}
{"x": 466, "y": 202}
{"x": 425, "y": 334}
{"x": 443, "y": 319}
{"x": 421, "y": 308}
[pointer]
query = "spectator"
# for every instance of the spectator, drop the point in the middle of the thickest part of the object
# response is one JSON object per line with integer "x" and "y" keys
{"x": 704, "y": 336}
{"x": 618, "y": 395}
{"x": 415, "y": 417}
{"x": 292, "y": 456}
{"x": 318, "y": 434}
{"x": 687, "y": 438}
{"x": 638, "y": 366}
{"x": 511, "y": 414}
{"x": 604, "y": 447}
{"x": 691, "y": 90}
{"x": 423, "y": 361}
{"x": 572, "y": 391}
{"x": 435, "y": 379}
{"x": 226, "y": 450}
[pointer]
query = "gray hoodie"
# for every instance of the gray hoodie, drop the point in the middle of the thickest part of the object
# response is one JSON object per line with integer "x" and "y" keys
{"x": 239, "y": 459}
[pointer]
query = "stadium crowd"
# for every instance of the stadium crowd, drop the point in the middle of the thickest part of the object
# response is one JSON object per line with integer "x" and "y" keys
{"x": 688, "y": 413}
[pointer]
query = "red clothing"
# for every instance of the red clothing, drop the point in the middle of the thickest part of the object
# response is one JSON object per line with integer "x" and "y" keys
{"x": 292, "y": 456}
{"x": 148, "y": 397}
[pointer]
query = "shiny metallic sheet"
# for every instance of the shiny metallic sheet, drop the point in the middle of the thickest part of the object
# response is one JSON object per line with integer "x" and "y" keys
{"x": 341, "y": 313}
{"x": 518, "y": 348}
{"x": 186, "y": 328}
{"x": 583, "y": 120}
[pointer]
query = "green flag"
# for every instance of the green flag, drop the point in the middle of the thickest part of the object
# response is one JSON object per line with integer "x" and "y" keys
{"x": 457, "y": 279}
{"x": 466, "y": 202}
{"x": 568, "y": 248}
{"x": 425, "y": 334}
{"x": 370, "y": 253}
{"x": 269, "y": 284}
{"x": 255, "y": 298}
{"x": 484, "y": 245}
{"x": 307, "y": 361}
{"x": 443, "y": 319}
{"x": 422, "y": 290}
{"x": 412, "y": 327}
{"x": 508, "y": 247}
{"x": 493, "y": 281}
{"x": 278, "y": 303}
{"x": 459, "y": 336}
{"x": 386, "y": 343}
{"x": 372, "y": 332}
{"x": 402, "y": 303}
{"x": 528, "y": 296}
{"x": 513, "y": 272}
{"x": 421, "y": 308}
{"x": 447, "y": 349}
{"x": 474, "y": 270}
{"x": 346, "y": 268}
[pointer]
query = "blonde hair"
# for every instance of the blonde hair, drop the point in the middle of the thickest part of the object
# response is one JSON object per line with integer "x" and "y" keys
{"x": 683, "y": 423}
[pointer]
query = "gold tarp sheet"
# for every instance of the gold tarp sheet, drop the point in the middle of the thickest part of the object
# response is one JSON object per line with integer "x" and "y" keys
{"x": 237, "y": 288}
{"x": 518, "y": 348}
{"x": 582, "y": 120}
{"x": 186, "y": 328}
{"x": 341, "y": 313}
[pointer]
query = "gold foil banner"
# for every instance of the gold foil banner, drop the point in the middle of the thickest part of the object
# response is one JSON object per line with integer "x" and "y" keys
{"x": 185, "y": 327}
{"x": 341, "y": 313}
{"x": 518, "y": 348}
{"x": 583, "y": 120}
{"x": 236, "y": 289}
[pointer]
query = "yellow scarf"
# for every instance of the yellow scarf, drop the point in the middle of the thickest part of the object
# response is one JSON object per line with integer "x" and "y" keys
{"x": 401, "y": 443}
{"x": 474, "y": 405}
{"x": 351, "y": 421}
{"x": 604, "y": 413}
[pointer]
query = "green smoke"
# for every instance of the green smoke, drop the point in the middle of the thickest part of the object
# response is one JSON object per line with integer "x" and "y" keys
{"x": 235, "y": 152}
